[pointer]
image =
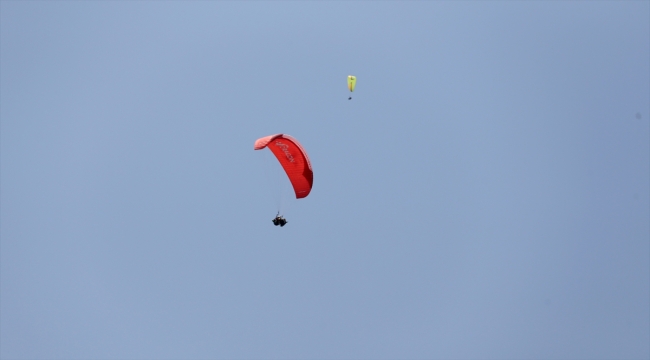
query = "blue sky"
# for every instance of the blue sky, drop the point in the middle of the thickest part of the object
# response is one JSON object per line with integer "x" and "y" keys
{"x": 484, "y": 195}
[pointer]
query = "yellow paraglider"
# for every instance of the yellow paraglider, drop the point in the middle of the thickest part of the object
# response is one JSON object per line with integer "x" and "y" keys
{"x": 352, "y": 82}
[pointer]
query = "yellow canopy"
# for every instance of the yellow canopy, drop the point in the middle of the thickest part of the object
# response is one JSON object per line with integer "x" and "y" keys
{"x": 352, "y": 82}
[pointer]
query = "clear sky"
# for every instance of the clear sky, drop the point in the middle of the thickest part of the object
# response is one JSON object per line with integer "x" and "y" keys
{"x": 484, "y": 195}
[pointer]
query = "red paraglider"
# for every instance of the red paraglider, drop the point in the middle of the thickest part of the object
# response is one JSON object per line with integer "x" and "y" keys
{"x": 294, "y": 161}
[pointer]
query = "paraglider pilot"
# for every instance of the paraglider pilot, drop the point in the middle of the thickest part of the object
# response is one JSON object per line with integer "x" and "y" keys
{"x": 279, "y": 220}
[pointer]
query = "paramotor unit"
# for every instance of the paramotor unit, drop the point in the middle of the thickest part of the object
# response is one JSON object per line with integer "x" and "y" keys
{"x": 279, "y": 220}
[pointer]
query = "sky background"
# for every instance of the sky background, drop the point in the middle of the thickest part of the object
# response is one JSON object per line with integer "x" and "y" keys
{"x": 485, "y": 194}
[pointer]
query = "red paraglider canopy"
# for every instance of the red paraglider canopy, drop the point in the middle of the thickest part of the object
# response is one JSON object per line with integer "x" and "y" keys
{"x": 294, "y": 161}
